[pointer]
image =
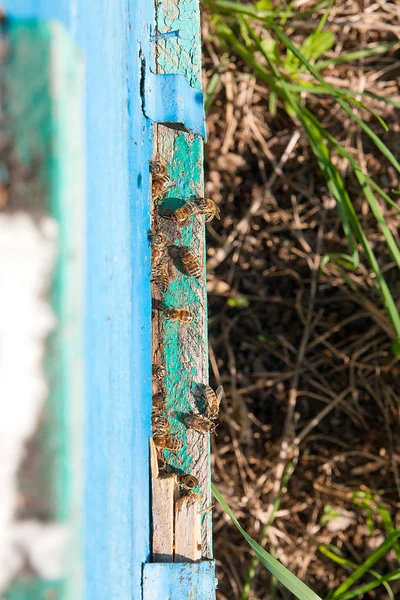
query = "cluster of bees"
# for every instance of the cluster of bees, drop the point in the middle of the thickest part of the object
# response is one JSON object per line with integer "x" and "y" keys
{"x": 160, "y": 256}
{"x": 161, "y": 276}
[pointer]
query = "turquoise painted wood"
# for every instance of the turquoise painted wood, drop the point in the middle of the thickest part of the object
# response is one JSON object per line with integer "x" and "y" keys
{"x": 42, "y": 87}
{"x": 185, "y": 347}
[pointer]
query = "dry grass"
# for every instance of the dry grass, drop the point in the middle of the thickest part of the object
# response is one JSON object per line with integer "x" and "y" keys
{"x": 304, "y": 358}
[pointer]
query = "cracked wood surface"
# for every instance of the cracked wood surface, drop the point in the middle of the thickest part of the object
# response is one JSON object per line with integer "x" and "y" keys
{"x": 181, "y": 347}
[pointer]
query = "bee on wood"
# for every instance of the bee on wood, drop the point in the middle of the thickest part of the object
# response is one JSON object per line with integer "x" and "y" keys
{"x": 200, "y": 206}
{"x": 158, "y": 247}
{"x": 160, "y": 179}
{"x": 213, "y": 400}
{"x": 161, "y": 277}
{"x": 208, "y": 208}
{"x": 159, "y": 401}
{"x": 190, "y": 262}
{"x": 160, "y": 424}
{"x": 159, "y": 371}
{"x": 188, "y": 482}
{"x": 200, "y": 423}
{"x": 168, "y": 442}
{"x": 179, "y": 314}
{"x": 184, "y": 212}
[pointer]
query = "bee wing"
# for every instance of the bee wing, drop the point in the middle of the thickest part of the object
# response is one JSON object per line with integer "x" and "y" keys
{"x": 219, "y": 392}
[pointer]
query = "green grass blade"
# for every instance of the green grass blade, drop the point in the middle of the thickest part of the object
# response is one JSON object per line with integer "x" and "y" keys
{"x": 212, "y": 90}
{"x": 381, "y": 283}
{"x": 382, "y": 194}
{"x": 247, "y": 56}
{"x": 255, "y": 561}
{"x": 237, "y": 8}
{"x": 365, "y": 187}
{"x": 356, "y": 55}
{"x": 332, "y": 176}
{"x": 311, "y": 88}
{"x": 331, "y": 552}
{"x": 371, "y": 134}
{"x": 367, "y": 501}
{"x": 390, "y": 241}
{"x": 354, "y": 164}
{"x": 286, "y": 578}
{"x": 325, "y": 16}
{"x": 367, "y": 564}
{"x": 363, "y": 589}
{"x": 349, "y": 218}
{"x": 334, "y": 555}
{"x": 266, "y": 76}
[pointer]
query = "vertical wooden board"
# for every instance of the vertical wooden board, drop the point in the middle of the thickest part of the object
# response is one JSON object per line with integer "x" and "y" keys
{"x": 115, "y": 36}
{"x": 184, "y": 347}
{"x": 188, "y": 545}
{"x": 42, "y": 91}
{"x": 163, "y": 490}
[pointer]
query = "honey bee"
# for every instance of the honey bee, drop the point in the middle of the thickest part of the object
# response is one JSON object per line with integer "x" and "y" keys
{"x": 159, "y": 371}
{"x": 191, "y": 264}
{"x": 188, "y": 482}
{"x": 161, "y": 277}
{"x": 213, "y": 400}
{"x": 200, "y": 423}
{"x": 160, "y": 424}
{"x": 158, "y": 239}
{"x": 184, "y": 212}
{"x": 209, "y": 208}
{"x": 159, "y": 401}
{"x": 158, "y": 247}
{"x": 200, "y": 206}
{"x": 179, "y": 314}
{"x": 160, "y": 179}
{"x": 168, "y": 442}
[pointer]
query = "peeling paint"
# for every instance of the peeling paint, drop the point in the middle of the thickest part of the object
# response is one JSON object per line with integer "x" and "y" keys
{"x": 181, "y": 55}
{"x": 185, "y": 353}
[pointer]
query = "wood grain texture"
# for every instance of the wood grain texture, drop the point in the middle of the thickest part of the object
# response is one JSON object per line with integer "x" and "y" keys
{"x": 182, "y": 348}
{"x": 188, "y": 546}
{"x": 163, "y": 491}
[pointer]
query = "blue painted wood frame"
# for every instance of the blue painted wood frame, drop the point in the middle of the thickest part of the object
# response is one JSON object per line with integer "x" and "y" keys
{"x": 118, "y": 336}
{"x": 115, "y": 37}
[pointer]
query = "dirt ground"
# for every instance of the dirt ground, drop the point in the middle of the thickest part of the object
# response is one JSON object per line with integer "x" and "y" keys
{"x": 310, "y": 424}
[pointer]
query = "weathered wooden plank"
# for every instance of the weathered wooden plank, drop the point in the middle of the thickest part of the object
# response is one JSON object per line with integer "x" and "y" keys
{"x": 182, "y": 348}
{"x": 179, "y": 581}
{"x": 115, "y": 37}
{"x": 188, "y": 545}
{"x": 163, "y": 490}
